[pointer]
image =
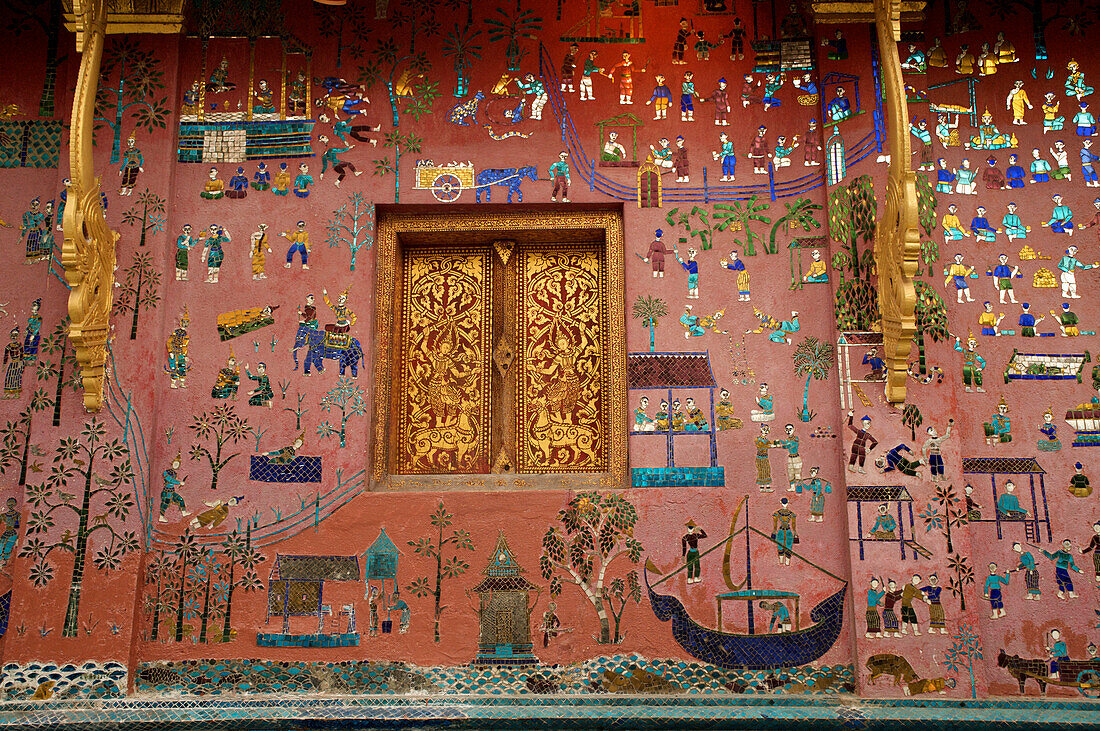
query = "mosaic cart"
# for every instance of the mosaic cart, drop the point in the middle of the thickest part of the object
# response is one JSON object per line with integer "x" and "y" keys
{"x": 1045, "y": 366}
{"x": 444, "y": 181}
{"x": 886, "y": 494}
{"x": 1084, "y": 675}
{"x": 1013, "y": 466}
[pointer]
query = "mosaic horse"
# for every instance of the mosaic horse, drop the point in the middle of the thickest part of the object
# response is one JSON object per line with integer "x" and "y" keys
{"x": 320, "y": 346}
{"x": 510, "y": 178}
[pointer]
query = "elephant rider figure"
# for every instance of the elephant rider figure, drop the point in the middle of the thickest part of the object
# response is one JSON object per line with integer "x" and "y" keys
{"x": 336, "y": 334}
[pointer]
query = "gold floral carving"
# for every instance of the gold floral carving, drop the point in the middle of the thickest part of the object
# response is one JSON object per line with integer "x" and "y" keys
{"x": 562, "y": 420}
{"x": 88, "y": 251}
{"x": 445, "y": 331}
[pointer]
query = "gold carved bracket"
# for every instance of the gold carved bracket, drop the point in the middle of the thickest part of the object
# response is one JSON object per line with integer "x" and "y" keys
{"x": 127, "y": 16}
{"x": 88, "y": 251}
{"x": 897, "y": 236}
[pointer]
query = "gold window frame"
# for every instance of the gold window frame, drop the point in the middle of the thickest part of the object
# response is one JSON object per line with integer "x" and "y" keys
{"x": 458, "y": 226}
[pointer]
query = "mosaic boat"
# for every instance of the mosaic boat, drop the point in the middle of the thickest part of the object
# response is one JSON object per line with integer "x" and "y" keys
{"x": 753, "y": 652}
{"x": 750, "y": 651}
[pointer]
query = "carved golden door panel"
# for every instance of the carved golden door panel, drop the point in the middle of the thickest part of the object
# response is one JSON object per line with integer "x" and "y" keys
{"x": 561, "y": 421}
{"x": 502, "y": 365}
{"x": 446, "y": 325}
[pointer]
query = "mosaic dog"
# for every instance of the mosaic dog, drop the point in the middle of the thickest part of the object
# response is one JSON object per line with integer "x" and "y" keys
{"x": 465, "y": 113}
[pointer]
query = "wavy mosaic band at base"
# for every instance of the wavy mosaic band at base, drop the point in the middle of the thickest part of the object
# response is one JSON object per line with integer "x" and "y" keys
{"x": 625, "y": 674}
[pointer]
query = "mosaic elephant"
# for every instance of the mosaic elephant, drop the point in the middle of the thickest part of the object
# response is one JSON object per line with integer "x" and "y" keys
{"x": 319, "y": 347}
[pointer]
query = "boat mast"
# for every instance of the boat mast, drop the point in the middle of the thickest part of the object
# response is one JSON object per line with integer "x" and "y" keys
{"x": 748, "y": 568}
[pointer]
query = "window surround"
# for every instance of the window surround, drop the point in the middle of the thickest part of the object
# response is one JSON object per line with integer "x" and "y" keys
{"x": 458, "y": 225}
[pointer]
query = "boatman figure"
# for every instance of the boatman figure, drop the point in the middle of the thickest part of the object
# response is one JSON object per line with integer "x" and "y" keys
{"x": 689, "y": 549}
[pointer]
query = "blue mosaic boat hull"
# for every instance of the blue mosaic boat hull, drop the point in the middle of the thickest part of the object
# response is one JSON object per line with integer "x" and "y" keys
{"x": 753, "y": 652}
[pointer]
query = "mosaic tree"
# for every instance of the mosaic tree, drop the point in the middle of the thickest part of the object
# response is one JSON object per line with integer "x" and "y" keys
{"x": 399, "y": 143}
{"x": 298, "y": 412}
{"x": 739, "y": 216}
{"x": 798, "y": 214}
{"x": 347, "y": 398}
{"x": 954, "y": 513}
{"x": 926, "y": 215}
{"x": 929, "y": 255}
{"x": 962, "y": 576}
{"x": 966, "y": 647}
{"x": 705, "y": 226}
{"x": 1074, "y": 16}
{"x": 130, "y": 81}
{"x": 813, "y": 358}
{"x": 239, "y": 554}
{"x": 187, "y": 552}
{"x": 513, "y": 27}
{"x": 351, "y": 224}
{"x": 147, "y": 214}
{"x": 98, "y": 505}
{"x": 139, "y": 290}
{"x": 223, "y": 426}
{"x": 649, "y": 309}
{"x": 205, "y": 569}
{"x": 417, "y": 93}
{"x": 418, "y": 16}
{"x": 926, "y": 204}
{"x": 197, "y": 583}
{"x": 25, "y": 14}
{"x": 380, "y": 68}
{"x": 434, "y": 547}
{"x": 596, "y": 530}
{"x": 57, "y": 344}
{"x": 931, "y": 316}
{"x": 852, "y": 221}
{"x": 461, "y": 45}
{"x": 15, "y": 436}
{"x": 339, "y": 21}
{"x": 912, "y": 418}
{"x": 157, "y": 573}
{"x": 622, "y": 592}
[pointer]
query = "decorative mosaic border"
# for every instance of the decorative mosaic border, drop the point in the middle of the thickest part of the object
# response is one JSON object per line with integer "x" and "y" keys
{"x": 619, "y": 674}
{"x": 52, "y": 681}
{"x": 628, "y": 712}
